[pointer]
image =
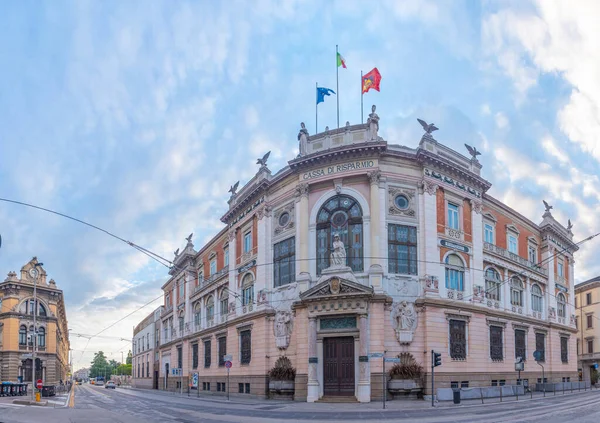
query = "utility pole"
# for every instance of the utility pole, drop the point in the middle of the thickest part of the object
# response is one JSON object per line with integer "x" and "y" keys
{"x": 34, "y": 273}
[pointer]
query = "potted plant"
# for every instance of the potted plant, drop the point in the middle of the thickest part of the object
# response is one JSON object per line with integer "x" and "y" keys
{"x": 282, "y": 378}
{"x": 406, "y": 377}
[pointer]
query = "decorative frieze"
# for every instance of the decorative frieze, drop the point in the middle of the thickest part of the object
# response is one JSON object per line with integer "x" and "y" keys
{"x": 430, "y": 284}
{"x": 450, "y": 181}
{"x": 455, "y": 295}
{"x": 401, "y": 201}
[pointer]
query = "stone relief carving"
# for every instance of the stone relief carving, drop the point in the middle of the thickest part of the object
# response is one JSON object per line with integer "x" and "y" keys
{"x": 404, "y": 318}
{"x": 264, "y": 211}
{"x": 430, "y": 284}
{"x": 374, "y": 176}
{"x": 282, "y": 328}
{"x": 477, "y": 206}
{"x": 551, "y": 312}
{"x": 281, "y": 222}
{"x": 394, "y": 209}
{"x": 302, "y": 190}
{"x": 430, "y": 187}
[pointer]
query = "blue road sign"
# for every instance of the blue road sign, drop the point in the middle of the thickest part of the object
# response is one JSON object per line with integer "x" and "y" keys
{"x": 392, "y": 360}
{"x": 537, "y": 355}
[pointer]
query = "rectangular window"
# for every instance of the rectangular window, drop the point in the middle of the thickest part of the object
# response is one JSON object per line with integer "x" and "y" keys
{"x": 245, "y": 347}
{"x": 284, "y": 262}
{"x": 179, "y": 357}
{"x": 512, "y": 244}
{"x": 222, "y": 350}
{"x": 453, "y": 220}
{"x": 402, "y": 249}
{"x": 181, "y": 291}
{"x": 488, "y": 233}
{"x": 247, "y": 388}
{"x": 540, "y": 345}
{"x": 561, "y": 270}
{"x": 218, "y": 386}
{"x": 167, "y": 300}
{"x": 194, "y": 356}
{"x": 588, "y": 298}
{"x": 207, "y": 353}
{"x": 589, "y": 321}
{"x": 520, "y": 344}
{"x": 208, "y": 386}
{"x": 494, "y": 382}
{"x": 590, "y": 345}
{"x": 454, "y": 385}
{"x": 564, "y": 349}
{"x": 458, "y": 340}
{"x": 532, "y": 254}
{"x": 226, "y": 257}
{"x": 516, "y": 297}
{"x": 501, "y": 382}
{"x": 213, "y": 266}
{"x": 247, "y": 242}
{"x": 240, "y": 388}
{"x": 496, "y": 347}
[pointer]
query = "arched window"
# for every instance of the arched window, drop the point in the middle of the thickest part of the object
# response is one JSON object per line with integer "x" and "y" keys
{"x": 197, "y": 315}
{"x": 537, "y": 302}
{"x": 516, "y": 291}
{"x": 42, "y": 310}
{"x": 340, "y": 215}
{"x": 492, "y": 284}
{"x": 41, "y": 337}
{"x": 248, "y": 290}
{"x": 210, "y": 308}
{"x": 455, "y": 273}
{"x": 561, "y": 303}
{"x": 23, "y": 335}
{"x": 27, "y": 307}
{"x": 224, "y": 302}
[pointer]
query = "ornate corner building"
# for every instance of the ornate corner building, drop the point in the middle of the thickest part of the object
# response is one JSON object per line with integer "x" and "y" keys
{"x": 360, "y": 246}
{"x": 17, "y": 331}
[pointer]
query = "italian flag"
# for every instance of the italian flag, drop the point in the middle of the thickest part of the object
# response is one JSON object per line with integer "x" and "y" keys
{"x": 341, "y": 61}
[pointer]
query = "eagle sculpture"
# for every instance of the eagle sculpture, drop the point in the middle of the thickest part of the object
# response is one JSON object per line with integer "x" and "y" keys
{"x": 548, "y": 206}
{"x": 473, "y": 152}
{"x": 429, "y": 128}
{"x": 263, "y": 162}
{"x": 189, "y": 238}
{"x": 234, "y": 188}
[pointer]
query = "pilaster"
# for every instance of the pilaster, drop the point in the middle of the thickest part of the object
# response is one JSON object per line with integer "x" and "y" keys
{"x": 313, "y": 382}
{"x": 302, "y": 258}
{"x": 364, "y": 381}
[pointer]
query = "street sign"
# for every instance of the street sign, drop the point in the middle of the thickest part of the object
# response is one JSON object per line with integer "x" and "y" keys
{"x": 228, "y": 357}
{"x": 392, "y": 360}
{"x": 595, "y": 365}
{"x": 228, "y": 364}
{"x": 376, "y": 355}
{"x": 27, "y": 355}
{"x": 39, "y": 384}
{"x": 195, "y": 380}
{"x": 537, "y": 355}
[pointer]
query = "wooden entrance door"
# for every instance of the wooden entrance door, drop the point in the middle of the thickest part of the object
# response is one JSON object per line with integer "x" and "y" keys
{"x": 338, "y": 366}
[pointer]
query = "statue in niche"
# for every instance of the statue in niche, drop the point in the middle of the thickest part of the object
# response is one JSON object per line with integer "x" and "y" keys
{"x": 404, "y": 317}
{"x": 338, "y": 255}
{"x": 283, "y": 329}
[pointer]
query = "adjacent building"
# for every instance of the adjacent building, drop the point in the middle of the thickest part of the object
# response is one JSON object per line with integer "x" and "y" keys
{"x": 83, "y": 374}
{"x": 587, "y": 302}
{"x": 17, "y": 331}
{"x": 146, "y": 338}
{"x": 361, "y": 246}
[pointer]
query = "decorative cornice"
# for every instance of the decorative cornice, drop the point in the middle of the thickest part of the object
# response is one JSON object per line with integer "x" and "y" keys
{"x": 444, "y": 179}
{"x": 345, "y": 151}
{"x": 427, "y": 158}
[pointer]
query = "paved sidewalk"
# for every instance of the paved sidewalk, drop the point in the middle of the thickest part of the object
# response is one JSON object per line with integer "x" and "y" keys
{"x": 238, "y": 402}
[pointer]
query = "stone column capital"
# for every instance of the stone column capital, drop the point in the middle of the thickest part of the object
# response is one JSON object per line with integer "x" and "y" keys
{"x": 476, "y": 206}
{"x": 374, "y": 177}
{"x": 430, "y": 187}
{"x": 302, "y": 190}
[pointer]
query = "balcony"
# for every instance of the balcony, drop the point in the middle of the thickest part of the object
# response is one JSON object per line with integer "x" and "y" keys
{"x": 501, "y": 252}
{"x": 167, "y": 310}
{"x": 455, "y": 233}
{"x": 211, "y": 279}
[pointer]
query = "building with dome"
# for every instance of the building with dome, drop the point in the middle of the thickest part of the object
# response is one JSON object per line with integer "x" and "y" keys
{"x": 17, "y": 331}
{"x": 361, "y": 247}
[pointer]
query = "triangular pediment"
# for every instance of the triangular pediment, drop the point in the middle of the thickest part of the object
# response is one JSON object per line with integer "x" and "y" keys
{"x": 336, "y": 286}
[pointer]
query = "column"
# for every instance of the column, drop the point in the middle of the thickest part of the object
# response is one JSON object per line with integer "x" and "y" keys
{"x": 549, "y": 300}
{"x": 374, "y": 256}
{"x": 302, "y": 257}
{"x": 364, "y": 381}
{"x": 433, "y": 272}
{"x": 571, "y": 298}
{"x": 313, "y": 382}
{"x": 477, "y": 253}
{"x": 264, "y": 267}
{"x": 232, "y": 274}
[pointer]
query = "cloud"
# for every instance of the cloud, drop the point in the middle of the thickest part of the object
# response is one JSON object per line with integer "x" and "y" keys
{"x": 501, "y": 120}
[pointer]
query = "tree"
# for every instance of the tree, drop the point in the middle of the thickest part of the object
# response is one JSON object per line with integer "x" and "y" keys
{"x": 99, "y": 365}
{"x": 129, "y": 359}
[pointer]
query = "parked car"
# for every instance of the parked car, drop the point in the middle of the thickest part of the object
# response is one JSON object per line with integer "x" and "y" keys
{"x": 110, "y": 384}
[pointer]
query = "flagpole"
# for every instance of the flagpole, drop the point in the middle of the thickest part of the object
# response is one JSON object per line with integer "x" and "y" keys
{"x": 316, "y": 105}
{"x": 337, "y": 84}
{"x": 361, "y": 97}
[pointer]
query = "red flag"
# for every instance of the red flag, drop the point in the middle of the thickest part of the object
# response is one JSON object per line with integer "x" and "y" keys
{"x": 371, "y": 80}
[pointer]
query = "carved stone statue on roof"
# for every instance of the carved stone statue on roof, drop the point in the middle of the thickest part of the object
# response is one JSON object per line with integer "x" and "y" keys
{"x": 302, "y": 139}
{"x": 373, "y": 122}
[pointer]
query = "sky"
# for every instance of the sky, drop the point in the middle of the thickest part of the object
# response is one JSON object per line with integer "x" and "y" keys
{"x": 137, "y": 116}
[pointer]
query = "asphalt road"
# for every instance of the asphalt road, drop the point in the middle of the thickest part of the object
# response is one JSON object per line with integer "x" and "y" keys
{"x": 99, "y": 405}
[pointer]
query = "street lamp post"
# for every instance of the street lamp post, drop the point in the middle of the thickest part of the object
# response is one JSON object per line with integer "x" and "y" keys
{"x": 34, "y": 273}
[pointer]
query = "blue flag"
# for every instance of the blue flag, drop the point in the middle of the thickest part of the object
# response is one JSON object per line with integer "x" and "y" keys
{"x": 322, "y": 92}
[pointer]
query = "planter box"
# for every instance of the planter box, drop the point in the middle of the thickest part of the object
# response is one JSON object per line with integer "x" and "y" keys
{"x": 404, "y": 387}
{"x": 281, "y": 389}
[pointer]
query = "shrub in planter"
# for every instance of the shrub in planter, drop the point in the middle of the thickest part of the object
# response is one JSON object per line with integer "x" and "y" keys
{"x": 408, "y": 368}
{"x": 283, "y": 370}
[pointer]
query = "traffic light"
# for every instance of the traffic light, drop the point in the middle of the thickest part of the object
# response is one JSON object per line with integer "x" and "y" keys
{"x": 436, "y": 358}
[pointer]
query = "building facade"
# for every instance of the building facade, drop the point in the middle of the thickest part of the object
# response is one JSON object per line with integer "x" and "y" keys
{"x": 587, "y": 302}
{"x": 17, "y": 331}
{"x": 360, "y": 246}
{"x": 145, "y": 342}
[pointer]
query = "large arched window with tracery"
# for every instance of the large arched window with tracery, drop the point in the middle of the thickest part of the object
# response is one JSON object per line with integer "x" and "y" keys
{"x": 340, "y": 215}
